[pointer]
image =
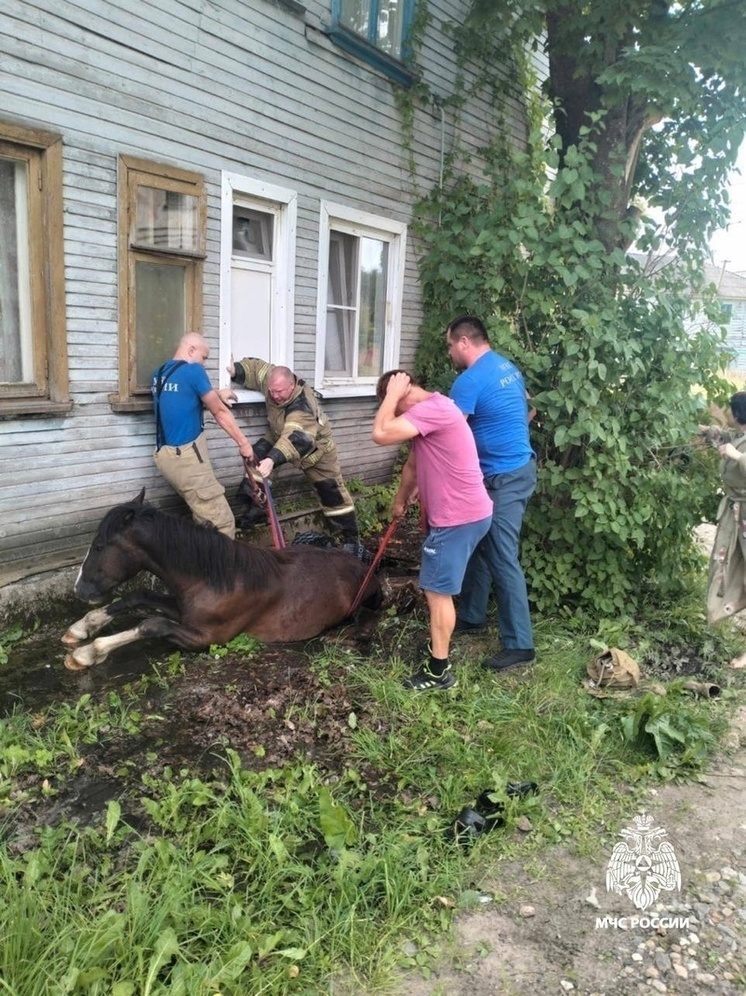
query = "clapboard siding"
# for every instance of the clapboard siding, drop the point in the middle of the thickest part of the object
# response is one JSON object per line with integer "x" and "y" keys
{"x": 247, "y": 86}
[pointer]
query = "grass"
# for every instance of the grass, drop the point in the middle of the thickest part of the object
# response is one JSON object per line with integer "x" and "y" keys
{"x": 278, "y": 881}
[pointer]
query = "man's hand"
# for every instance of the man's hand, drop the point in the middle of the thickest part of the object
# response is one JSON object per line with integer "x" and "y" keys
{"x": 231, "y": 368}
{"x": 728, "y": 450}
{"x": 266, "y": 466}
{"x": 228, "y": 396}
{"x": 398, "y": 386}
{"x": 247, "y": 452}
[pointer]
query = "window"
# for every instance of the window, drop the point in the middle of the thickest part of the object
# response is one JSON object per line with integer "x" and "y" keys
{"x": 361, "y": 269}
{"x": 257, "y": 273}
{"x": 161, "y": 249}
{"x": 33, "y": 340}
{"x": 376, "y": 31}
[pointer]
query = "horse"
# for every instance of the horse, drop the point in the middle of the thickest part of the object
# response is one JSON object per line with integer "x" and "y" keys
{"x": 217, "y": 587}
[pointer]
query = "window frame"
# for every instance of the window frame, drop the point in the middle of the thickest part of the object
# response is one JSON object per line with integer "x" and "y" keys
{"x": 281, "y": 202}
{"x": 338, "y": 217}
{"x": 366, "y": 49}
{"x": 49, "y": 392}
{"x": 132, "y": 173}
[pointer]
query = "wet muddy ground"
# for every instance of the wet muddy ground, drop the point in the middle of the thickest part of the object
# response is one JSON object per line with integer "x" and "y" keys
{"x": 265, "y": 703}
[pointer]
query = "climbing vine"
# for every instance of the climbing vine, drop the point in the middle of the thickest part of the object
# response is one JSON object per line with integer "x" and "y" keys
{"x": 621, "y": 362}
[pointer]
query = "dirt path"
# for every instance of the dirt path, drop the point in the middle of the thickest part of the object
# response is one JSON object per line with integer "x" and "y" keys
{"x": 546, "y": 937}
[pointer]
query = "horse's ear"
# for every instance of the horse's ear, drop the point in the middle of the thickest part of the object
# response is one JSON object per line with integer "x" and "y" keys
{"x": 140, "y": 498}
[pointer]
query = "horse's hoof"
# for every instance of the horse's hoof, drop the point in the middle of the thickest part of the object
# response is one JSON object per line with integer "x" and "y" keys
{"x": 70, "y": 640}
{"x": 72, "y": 665}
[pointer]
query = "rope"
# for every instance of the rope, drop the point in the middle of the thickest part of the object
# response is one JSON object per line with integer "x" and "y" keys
{"x": 379, "y": 553}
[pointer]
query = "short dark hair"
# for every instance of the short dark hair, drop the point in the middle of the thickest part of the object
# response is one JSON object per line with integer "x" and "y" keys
{"x": 473, "y": 328}
{"x": 383, "y": 381}
{"x": 738, "y": 407}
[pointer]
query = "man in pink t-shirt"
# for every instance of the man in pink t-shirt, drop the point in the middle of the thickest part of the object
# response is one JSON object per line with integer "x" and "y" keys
{"x": 443, "y": 470}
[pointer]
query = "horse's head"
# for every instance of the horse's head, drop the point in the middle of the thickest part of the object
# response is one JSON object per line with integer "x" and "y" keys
{"x": 111, "y": 559}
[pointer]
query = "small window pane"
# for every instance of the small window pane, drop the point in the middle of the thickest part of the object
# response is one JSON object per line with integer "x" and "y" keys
{"x": 160, "y": 314}
{"x": 252, "y": 233}
{"x": 16, "y": 354}
{"x": 374, "y": 255}
{"x": 390, "y": 27}
{"x": 342, "y": 269}
{"x": 354, "y": 14}
{"x": 166, "y": 219}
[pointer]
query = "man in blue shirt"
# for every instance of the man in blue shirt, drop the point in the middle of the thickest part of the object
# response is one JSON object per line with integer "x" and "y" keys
{"x": 492, "y": 395}
{"x": 181, "y": 391}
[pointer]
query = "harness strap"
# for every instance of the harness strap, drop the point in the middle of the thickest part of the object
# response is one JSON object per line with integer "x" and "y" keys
{"x": 265, "y": 500}
{"x": 379, "y": 553}
{"x": 160, "y": 383}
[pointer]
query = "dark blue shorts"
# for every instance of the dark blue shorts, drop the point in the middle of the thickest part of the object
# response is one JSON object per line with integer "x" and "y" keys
{"x": 445, "y": 554}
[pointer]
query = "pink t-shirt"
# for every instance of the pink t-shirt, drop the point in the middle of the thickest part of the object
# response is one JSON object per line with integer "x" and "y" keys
{"x": 448, "y": 476}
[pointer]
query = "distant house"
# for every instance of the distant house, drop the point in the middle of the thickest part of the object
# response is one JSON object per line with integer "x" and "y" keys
{"x": 731, "y": 289}
{"x": 239, "y": 167}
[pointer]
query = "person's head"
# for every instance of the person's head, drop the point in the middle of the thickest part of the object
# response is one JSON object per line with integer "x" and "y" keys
{"x": 193, "y": 348}
{"x": 280, "y": 385}
{"x": 738, "y": 407}
{"x": 466, "y": 339}
{"x": 414, "y": 394}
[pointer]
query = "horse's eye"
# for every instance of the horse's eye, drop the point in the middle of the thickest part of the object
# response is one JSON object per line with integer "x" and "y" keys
{"x": 98, "y": 547}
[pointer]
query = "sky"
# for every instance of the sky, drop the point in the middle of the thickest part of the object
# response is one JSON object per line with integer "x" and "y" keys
{"x": 729, "y": 246}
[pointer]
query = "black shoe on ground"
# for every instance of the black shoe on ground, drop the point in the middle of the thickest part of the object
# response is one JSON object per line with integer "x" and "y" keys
{"x": 462, "y": 626}
{"x": 424, "y": 679}
{"x": 509, "y": 658}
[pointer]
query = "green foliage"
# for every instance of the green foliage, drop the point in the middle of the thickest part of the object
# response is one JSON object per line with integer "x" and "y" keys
{"x": 7, "y": 639}
{"x": 372, "y": 504}
{"x": 614, "y": 362}
{"x": 677, "y": 731}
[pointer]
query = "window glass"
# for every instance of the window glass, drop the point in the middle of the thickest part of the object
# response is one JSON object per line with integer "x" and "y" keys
{"x": 361, "y": 273}
{"x": 33, "y": 327}
{"x": 166, "y": 219}
{"x": 160, "y": 314}
{"x": 374, "y": 267}
{"x": 342, "y": 304}
{"x": 390, "y": 27}
{"x": 253, "y": 233}
{"x": 16, "y": 355}
{"x": 354, "y": 14}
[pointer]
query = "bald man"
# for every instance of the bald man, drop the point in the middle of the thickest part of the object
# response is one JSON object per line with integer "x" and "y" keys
{"x": 181, "y": 392}
{"x": 300, "y": 434}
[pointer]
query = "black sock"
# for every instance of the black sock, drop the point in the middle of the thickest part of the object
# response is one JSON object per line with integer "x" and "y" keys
{"x": 438, "y": 666}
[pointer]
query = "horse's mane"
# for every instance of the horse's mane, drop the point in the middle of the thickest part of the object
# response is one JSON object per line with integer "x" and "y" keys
{"x": 193, "y": 549}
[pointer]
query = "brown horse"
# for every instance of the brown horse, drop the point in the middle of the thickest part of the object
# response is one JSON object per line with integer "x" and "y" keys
{"x": 217, "y": 587}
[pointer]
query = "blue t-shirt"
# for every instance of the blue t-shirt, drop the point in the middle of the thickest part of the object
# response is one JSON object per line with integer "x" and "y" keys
{"x": 179, "y": 405}
{"x": 492, "y": 395}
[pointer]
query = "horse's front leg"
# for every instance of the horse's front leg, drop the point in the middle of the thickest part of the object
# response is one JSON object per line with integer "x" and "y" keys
{"x": 141, "y": 602}
{"x": 154, "y": 626}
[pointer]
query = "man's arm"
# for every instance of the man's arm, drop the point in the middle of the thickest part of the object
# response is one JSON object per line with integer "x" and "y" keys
{"x": 406, "y": 493}
{"x": 388, "y": 427}
{"x": 225, "y": 419}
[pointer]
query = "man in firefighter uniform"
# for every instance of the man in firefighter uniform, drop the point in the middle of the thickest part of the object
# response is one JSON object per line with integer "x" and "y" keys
{"x": 299, "y": 433}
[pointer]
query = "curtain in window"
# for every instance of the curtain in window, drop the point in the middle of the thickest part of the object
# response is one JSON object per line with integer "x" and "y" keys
{"x": 341, "y": 311}
{"x": 12, "y": 183}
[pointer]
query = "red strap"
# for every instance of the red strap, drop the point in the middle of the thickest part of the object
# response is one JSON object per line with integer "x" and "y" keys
{"x": 379, "y": 553}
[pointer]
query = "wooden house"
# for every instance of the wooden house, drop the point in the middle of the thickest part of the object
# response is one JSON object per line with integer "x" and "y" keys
{"x": 245, "y": 168}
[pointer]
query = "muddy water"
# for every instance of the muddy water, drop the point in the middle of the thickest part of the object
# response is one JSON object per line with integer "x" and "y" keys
{"x": 35, "y": 675}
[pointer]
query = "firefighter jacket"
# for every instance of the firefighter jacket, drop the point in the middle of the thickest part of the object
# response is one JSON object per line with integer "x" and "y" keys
{"x": 299, "y": 431}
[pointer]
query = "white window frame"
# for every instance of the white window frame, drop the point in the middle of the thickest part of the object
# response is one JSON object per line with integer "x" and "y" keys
{"x": 349, "y": 220}
{"x": 282, "y": 203}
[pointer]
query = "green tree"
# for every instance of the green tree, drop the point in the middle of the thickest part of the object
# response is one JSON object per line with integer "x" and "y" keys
{"x": 648, "y": 104}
